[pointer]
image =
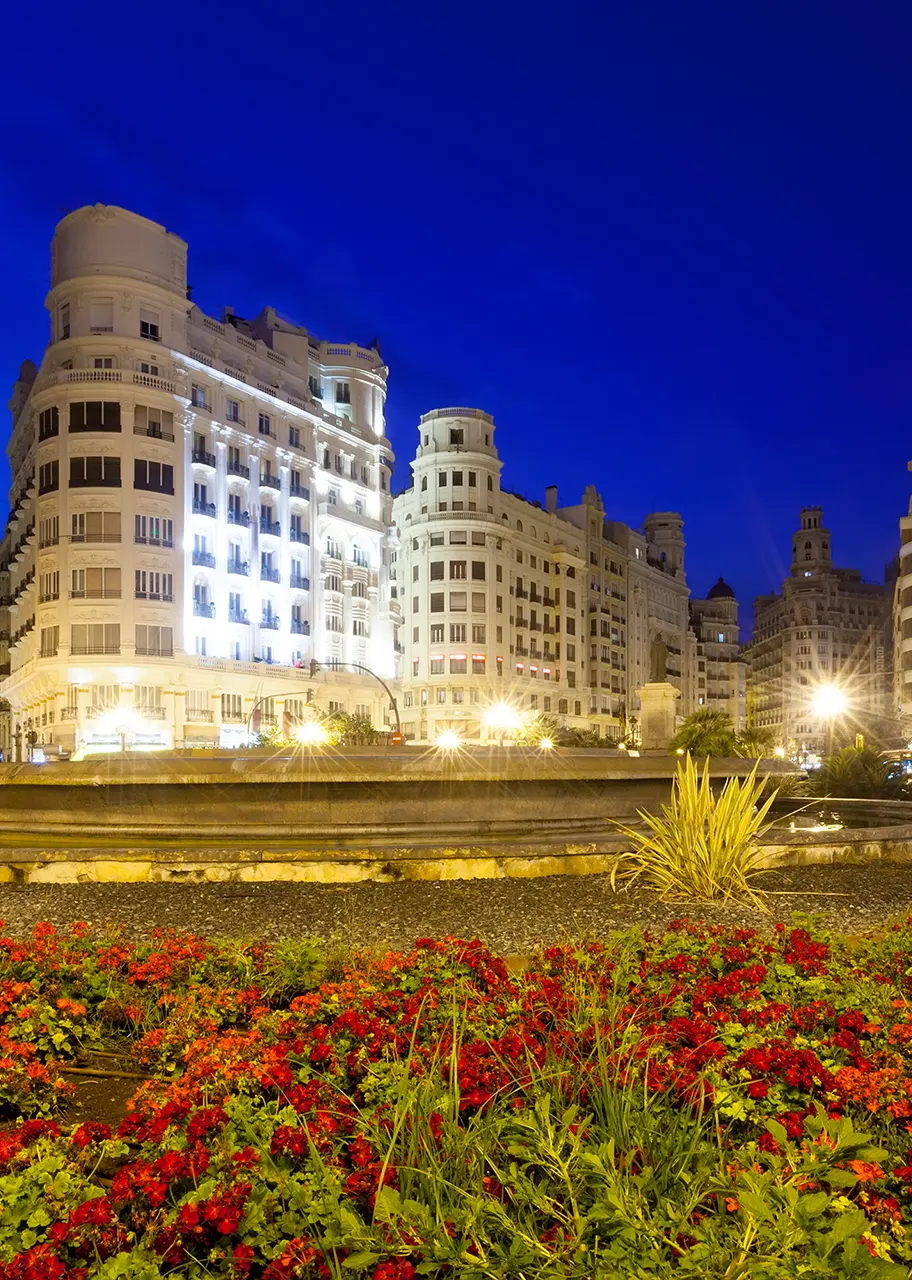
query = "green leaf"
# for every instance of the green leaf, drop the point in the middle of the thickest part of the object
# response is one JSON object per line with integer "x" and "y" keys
{"x": 361, "y": 1259}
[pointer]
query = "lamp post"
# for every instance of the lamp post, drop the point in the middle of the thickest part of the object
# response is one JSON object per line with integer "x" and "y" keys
{"x": 503, "y": 719}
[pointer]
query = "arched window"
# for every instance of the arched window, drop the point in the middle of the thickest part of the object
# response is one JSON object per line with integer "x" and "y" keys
{"x": 534, "y": 532}
{"x": 519, "y": 527}
{"x": 807, "y": 546}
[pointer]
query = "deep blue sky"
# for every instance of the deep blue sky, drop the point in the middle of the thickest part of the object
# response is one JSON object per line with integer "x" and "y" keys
{"x": 668, "y": 246}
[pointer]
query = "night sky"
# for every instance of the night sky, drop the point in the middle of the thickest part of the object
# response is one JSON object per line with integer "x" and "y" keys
{"x": 668, "y": 246}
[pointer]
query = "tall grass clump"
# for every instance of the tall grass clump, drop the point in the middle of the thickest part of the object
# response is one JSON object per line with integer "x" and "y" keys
{"x": 701, "y": 846}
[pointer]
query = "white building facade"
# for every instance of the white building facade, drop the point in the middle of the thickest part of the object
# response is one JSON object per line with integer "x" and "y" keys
{"x": 200, "y": 508}
{"x": 714, "y": 620}
{"x": 492, "y": 589}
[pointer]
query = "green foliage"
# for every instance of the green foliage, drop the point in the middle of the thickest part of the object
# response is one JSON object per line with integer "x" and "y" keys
{"x": 701, "y": 846}
{"x": 755, "y": 743}
{"x": 544, "y": 725}
{"x": 706, "y": 733}
{"x": 351, "y": 730}
{"x": 857, "y": 772}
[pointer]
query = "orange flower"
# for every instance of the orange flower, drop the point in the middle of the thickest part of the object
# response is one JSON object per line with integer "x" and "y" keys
{"x": 866, "y": 1172}
{"x": 731, "y": 1204}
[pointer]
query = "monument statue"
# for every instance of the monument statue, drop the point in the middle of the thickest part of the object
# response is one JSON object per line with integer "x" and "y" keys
{"x": 658, "y": 658}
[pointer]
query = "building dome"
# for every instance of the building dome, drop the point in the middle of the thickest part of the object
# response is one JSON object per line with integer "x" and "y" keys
{"x": 720, "y": 591}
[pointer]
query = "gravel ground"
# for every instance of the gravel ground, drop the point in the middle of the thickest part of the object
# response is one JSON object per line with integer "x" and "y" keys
{"x": 513, "y": 916}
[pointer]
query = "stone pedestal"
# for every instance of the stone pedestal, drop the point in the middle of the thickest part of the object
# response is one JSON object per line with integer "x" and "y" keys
{"x": 657, "y": 714}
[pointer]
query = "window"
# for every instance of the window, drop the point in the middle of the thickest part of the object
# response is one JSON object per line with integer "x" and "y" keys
{"x": 458, "y": 602}
{"x": 437, "y": 602}
{"x": 264, "y": 424}
{"x": 156, "y": 477}
{"x": 478, "y": 570}
{"x": 294, "y": 437}
{"x": 458, "y": 538}
{"x": 48, "y": 423}
{"x": 457, "y": 569}
{"x": 436, "y": 540}
{"x": 95, "y": 415}
{"x": 457, "y": 435}
{"x": 232, "y": 410}
{"x": 149, "y": 325}
{"x": 103, "y": 362}
{"x": 49, "y": 477}
{"x": 98, "y": 472}
{"x": 200, "y": 647}
{"x": 333, "y": 582}
{"x": 479, "y": 603}
{"x": 436, "y": 571}
{"x": 64, "y": 320}
{"x": 332, "y": 549}
{"x": 151, "y": 369}
{"x": 153, "y": 585}
{"x": 343, "y": 393}
{"x": 96, "y": 637}
{"x": 479, "y": 631}
{"x": 457, "y": 632}
{"x": 49, "y": 531}
{"x": 49, "y": 586}
{"x": 50, "y": 639}
{"x": 457, "y": 477}
{"x": 153, "y": 530}
{"x": 359, "y": 555}
{"x": 154, "y": 640}
{"x": 157, "y": 423}
{"x": 198, "y": 396}
{"x": 359, "y": 627}
{"x": 95, "y": 584}
{"x": 333, "y": 622}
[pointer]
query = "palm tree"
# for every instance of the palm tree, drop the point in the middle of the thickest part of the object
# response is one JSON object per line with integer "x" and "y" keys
{"x": 755, "y": 743}
{"x": 706, "y": 733}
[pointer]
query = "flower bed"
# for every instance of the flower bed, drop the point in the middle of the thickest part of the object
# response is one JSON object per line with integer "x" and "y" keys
{"x": 704, "y": 1103}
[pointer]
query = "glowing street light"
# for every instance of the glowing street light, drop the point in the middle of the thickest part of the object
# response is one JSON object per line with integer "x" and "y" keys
{"x": 546, "y": 744}
{"x": 311, "y": 734}
{"x": 121, "y": 720}
{"x": 448, "y": 740}
{"x": 779, "y": 753}
{"x": 503, "y": 719}
{"x": 827, "y": 704}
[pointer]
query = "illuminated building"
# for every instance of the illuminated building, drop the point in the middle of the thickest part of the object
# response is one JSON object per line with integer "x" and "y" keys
{"x": 199, "y": 508}
{"x": 824, "y": 628}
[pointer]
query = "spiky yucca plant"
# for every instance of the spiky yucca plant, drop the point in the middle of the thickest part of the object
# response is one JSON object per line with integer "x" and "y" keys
{"x": 701, "y": 847}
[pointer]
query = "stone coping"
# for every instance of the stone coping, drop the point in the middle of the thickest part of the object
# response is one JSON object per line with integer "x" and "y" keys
{"x": 383, "y": 764}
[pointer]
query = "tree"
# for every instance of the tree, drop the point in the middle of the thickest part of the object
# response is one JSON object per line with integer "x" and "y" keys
{"x": 351, "y": 730}
{"x": 707, "y": 733}
{"x": 543, "y": 725}
{"x": 856, "y": 772}
{"x": 755, "y": 743}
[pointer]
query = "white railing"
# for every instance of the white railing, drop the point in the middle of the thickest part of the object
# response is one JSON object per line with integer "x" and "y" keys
{"x": 214, "y": 325}
{"x": 203, "y": 359}
{"x": 154, "y": 384}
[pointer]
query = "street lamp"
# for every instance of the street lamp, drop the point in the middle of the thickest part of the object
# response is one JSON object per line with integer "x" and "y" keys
{"x": 827, "y": 703}
{"x": 311, "y": 734}
{"x": 503, "y": 719}
{"x": 122, "y": 720}
{"x": 448, "y": 740}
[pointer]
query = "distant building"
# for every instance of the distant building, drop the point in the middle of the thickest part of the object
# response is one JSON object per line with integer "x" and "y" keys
{"x": 638, "y": 611}
{"x": 824, "y": 627}
{"x": 492, "y": 587}
{"x": 715, "y": 623}
{"x": 554, "y": 610}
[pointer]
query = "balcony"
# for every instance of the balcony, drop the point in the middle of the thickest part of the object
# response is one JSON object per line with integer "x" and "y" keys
{"x": 241, "y": 518}
{"x": 93, "y": 537}
{"x": 238, "y": 615}
{"x": 299, "y": 627}
{"x": 270, "y": 575}
{"x": 298, "y": 583}
{"x": 203, "y": 457}
{"x": 200, "y": 406}
{"x": 233, "y": 717}
{"x": 238, "y": 469}
{"x": 99, "y": 593}
{"x": 240, "y": 567}
{"x": 272, "y": 527}
{"x": 299, "y": 491}
{"x": 270, "y": 482}
{"x": 203, "y": 609}
{"x": 201, "y": 508}
{"x": 199, "y": 717}
{"x": 205, "y": 558}
{"x": 148, "y": 651}
{"x": 521, "y": 594}
{"x": 300, "y": 536}
{"x": 154, "y": 432}
{"x": 154, "y": 542}
{"x": 270, "y": 623}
